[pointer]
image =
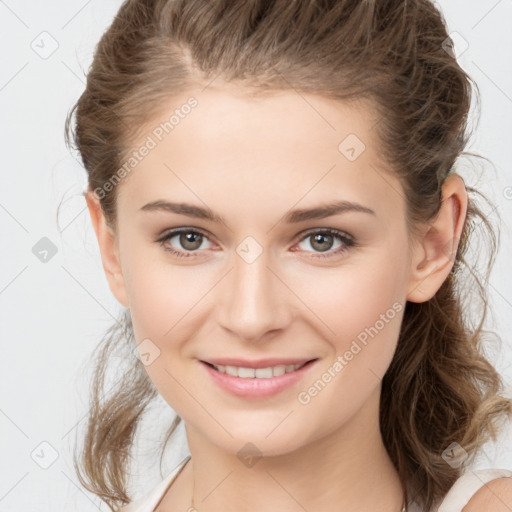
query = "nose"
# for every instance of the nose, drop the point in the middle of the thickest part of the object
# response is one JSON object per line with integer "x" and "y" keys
{"x": 254, "y": 300}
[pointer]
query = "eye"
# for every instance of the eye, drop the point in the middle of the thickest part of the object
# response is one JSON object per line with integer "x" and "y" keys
{"x": 323, "y": 241}
{"x": 189, "y": 239}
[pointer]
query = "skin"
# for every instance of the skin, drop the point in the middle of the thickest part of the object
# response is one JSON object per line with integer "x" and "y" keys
{"x": 252, "y": 161}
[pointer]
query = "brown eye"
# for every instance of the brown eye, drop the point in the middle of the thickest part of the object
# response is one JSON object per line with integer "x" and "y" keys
{"x": 190, "y": 240}
{"x": 187, "y": 245}
{"x": 322, "y": 241}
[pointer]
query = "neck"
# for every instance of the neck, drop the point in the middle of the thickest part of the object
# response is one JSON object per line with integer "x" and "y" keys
{"x": 349, "y": 469}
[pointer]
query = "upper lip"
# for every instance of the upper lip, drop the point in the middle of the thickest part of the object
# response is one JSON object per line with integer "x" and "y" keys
{"x": 260, "y": 363}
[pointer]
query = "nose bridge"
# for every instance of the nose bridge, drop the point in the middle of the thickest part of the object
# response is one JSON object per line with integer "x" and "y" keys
{"x": 253, "y": 297}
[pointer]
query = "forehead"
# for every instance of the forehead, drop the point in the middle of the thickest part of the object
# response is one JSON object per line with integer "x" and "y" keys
{"x": 238, "y": 153}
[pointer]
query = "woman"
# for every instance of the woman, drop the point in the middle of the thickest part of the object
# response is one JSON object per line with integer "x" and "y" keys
{"x": 273, "y": 189}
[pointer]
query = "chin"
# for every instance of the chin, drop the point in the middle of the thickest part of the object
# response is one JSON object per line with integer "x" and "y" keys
{"x": 256, "y": 443}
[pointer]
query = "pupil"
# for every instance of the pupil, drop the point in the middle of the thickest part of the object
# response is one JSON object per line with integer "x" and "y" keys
{"x": 188, "y": 238}
{"x": 320, "y": 238}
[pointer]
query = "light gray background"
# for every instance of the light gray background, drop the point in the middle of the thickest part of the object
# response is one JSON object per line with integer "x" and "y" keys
{"x": 54, "y": 313}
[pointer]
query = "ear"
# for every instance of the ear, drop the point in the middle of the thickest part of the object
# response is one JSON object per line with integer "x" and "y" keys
{"x": 109, "y": 249}
{"x": 433, "y": 255}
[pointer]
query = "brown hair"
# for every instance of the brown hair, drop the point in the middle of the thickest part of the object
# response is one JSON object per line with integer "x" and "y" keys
{"x": 439, "y": 388}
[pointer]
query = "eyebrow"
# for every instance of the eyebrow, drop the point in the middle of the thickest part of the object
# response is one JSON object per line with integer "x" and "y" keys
{"x": 294, "y": 216}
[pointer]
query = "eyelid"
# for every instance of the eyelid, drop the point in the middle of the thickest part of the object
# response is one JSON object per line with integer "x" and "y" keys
{"x": 337, "y": 232}
{"x": 171, "y": 233}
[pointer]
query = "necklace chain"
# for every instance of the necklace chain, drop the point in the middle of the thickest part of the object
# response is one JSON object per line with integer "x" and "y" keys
{"x": 194, "y": 490}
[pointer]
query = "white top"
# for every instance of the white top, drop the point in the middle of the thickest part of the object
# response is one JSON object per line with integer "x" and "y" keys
{"x": 455, "y": 500}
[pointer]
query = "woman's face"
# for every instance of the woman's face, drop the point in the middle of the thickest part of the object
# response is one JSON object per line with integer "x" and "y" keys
{"x": 269, "y": 280}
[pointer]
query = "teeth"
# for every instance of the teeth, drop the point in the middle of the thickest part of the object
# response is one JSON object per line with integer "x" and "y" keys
{"x": 259, "y": 373}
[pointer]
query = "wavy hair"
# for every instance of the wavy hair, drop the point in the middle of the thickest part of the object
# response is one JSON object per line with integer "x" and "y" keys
{"x": 439, "y": 388}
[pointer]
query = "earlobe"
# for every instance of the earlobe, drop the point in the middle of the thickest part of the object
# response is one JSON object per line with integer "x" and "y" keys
{"x": 108, "y": 249}
{"x": 434, "y": 255}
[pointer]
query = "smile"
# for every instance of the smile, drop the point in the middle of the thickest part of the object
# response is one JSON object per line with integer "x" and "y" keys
{"x": 258, "y": 373}
{"x": 256, "y": 383}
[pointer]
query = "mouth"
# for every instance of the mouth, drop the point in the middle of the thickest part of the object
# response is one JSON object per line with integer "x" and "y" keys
{"x": 255, "y": 380}
{"x": 258, "y": 372}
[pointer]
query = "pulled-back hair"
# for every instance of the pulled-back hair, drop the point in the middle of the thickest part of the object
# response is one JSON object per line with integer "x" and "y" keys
{"x": 440, "y": 388}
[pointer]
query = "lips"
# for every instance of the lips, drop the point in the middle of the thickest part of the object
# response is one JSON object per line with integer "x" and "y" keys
{"x": 254, "y": 387}
{"x": 260, "y": 363}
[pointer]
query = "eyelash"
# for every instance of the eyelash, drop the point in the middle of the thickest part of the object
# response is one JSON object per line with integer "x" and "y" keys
{"x": 346, "y": 239}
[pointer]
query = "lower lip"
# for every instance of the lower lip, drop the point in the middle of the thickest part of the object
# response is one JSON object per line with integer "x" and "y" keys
{"x": 257, "y": 388}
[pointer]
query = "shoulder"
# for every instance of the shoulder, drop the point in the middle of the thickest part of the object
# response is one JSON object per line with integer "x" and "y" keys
{"x": 494, "y": 496}
{"x": 149, "y": 501}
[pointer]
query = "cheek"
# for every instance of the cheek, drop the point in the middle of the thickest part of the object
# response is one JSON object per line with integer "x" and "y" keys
{"x": 359, "y": 309}
{"x": 363, "y": 311}
{"x": 349, "y": 299}
{"x": 165, "y": 302}
{"x": 163, "y": 295}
